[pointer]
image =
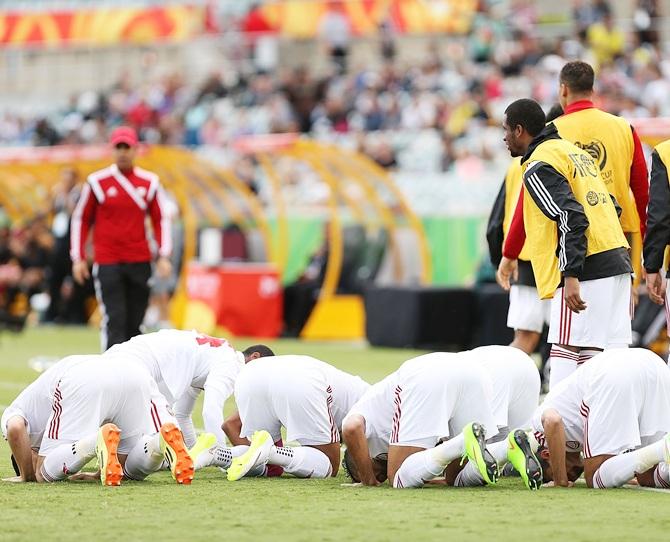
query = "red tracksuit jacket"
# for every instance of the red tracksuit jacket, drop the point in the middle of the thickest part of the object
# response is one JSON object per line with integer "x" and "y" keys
{"x": 116, "y": 203}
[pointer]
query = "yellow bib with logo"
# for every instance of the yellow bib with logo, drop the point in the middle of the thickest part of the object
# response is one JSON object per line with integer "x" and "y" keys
{"x": 609, "y": 140}
{"x": 604, "y": 232}
{"x": 513, "y": 183}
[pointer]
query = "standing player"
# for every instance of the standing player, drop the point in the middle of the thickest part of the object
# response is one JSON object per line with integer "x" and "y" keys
{"x": 617, "y": 402}
{"x": 613, "y": 144}
{"x": 183, "y": 364}
{"x": 304, "y": 395}
{"x": 527, "y": 313}
{"x": 115, "y": 201}
{"x": 575, "y": 241}
{"x": 658, "y": 226}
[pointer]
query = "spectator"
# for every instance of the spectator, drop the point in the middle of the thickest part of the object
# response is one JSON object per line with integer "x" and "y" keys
{"x": 335, "y": 33}
{"x": 606, "y": 41}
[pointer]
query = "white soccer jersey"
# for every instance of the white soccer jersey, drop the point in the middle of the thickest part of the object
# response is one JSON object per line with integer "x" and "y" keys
{"x": 514, "y": 384}
{"x": 616, "y": 401}
{"x": 303, "y": 394}
{"x": 34, "y": 403}
{"x": 183, "y": 363}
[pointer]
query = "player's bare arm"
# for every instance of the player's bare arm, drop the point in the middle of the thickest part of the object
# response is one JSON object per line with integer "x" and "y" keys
{"x": 554, "y": 432}
{"x": 232, "y": 427}
{"x": 17, "y": 437}
{"x": 353, "y": 433}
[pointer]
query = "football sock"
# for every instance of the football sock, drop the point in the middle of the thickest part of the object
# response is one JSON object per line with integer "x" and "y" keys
{"x": 144, "y": 458}
{"x": 427, "y": 464}
{"x": 618, "y": 470}
{"x": 662, "y": 475}
{"x": 585, "y": 354}
{"x": 301, "y": 461}
{"x": 469, "y": 477}
{"x": 68, "y": 459}
{"x": 563, "y": 363}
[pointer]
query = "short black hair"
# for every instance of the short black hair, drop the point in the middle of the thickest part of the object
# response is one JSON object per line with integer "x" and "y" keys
{"x": 526, "y": 113}
{"x": 349, "y": 466}
{"x": 15, "y": 466}
{"x": 554, "y": 112}
{"x": 263, "y": 350}
{"x": 578, "y": 76}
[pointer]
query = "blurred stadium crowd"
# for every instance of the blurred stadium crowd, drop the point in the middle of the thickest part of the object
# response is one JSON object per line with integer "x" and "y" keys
{"x": 460, "y": 86}
{"x": 456, "y": 95}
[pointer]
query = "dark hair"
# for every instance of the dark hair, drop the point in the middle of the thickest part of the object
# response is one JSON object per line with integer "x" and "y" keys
{"x": 349, "y": 467}
{"x": 554, "y": 112}
{"x": 263, "y": 350}
{"x": 526, "y": 113}
{"x": 578, "y": 76}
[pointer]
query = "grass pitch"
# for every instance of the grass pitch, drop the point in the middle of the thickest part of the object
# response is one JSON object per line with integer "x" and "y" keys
{"x": 299, "y": 510}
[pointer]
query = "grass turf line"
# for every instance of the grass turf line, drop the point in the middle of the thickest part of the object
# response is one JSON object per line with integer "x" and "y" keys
{"x": 289, "y": 509}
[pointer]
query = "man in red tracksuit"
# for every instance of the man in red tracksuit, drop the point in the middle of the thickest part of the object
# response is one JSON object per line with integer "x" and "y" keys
{"x": 115, "y": 201}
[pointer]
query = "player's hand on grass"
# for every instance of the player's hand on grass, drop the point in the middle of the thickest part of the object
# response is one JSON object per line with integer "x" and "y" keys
{"x": 508, "y": 270}
{"x": 553, "y": 484}
{"x": 572, "y": 296}
{"x": 80, "y": 271}
{"x": 655, "y": 288}
{"x": 85, "y": 477}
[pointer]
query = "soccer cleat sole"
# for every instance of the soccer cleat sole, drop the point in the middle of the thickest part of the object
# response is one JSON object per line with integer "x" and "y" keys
{"x": 176, "y": 454}
{"x": 243, "y": 464}
{"x": 111, "y": 471}
{"x": 484, "y": 461}
{"x": 532, "y": 475}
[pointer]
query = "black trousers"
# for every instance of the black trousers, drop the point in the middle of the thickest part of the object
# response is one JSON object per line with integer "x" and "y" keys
{"x": 122, "y": 290}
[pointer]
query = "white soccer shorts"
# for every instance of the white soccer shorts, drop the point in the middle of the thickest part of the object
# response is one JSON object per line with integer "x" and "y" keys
{"x": 105, "y": 391}
{"x": 606, "y": 321}
{"x": 527, "y": 311}
{"x": 626, "y": 406}
{"x": 301, "y": 404}
{"x": 438, "y": 402}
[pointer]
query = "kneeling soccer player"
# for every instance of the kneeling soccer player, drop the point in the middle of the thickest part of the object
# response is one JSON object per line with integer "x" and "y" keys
{"x": 410, "y": 413}
{"x": 615, "y": 409}
{"x": 306, "y": 396}
{"x": 104, "y": 408}
{"x": 24, "y": 420}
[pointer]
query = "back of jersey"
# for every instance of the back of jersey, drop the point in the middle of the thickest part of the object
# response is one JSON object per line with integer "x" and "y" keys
{"x": 176, "y": 359}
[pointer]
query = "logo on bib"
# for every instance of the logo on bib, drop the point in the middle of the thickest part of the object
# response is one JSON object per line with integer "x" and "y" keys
{"x": 597, "y": 151}
{"x": 592, "y": 198}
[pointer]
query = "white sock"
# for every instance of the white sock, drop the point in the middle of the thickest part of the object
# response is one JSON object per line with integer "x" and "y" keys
{"x": 563, "y": 363}
{"x": 618, "y": 470}
{"x": 68, "y": 459}
{"x": 585, "y": 354}
{"x": 470, "y": 475}
{"x": 445, "y": 452}
{"x": 662, "y": 475}
{"x": 145, "y": 458}
{"x": 301, "y": 461}
{"x": 422, "y": 466}
{"x": 499, "y": 451}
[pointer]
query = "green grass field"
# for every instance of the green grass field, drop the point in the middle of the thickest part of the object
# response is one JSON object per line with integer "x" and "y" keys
{"x": 297, "y": 510}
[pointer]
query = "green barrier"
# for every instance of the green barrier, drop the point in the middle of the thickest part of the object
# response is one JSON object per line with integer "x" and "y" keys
{"x": 456, "y": 244}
